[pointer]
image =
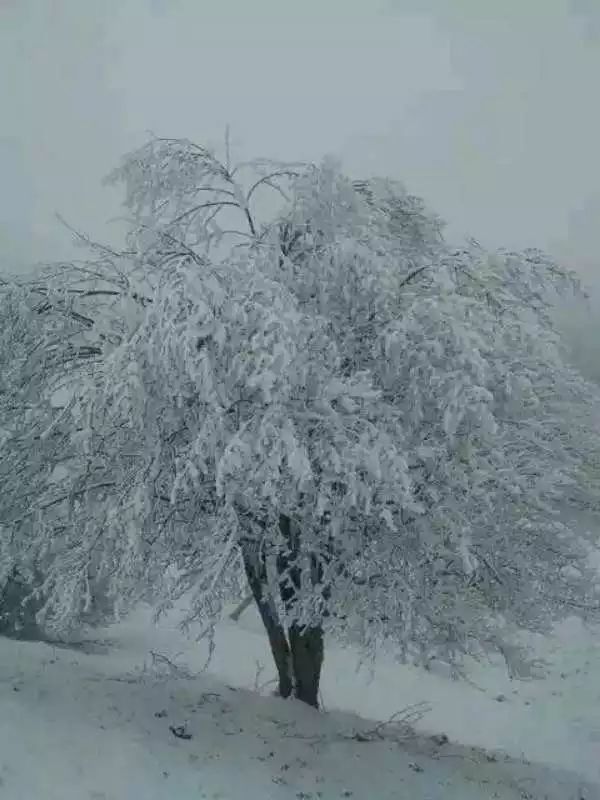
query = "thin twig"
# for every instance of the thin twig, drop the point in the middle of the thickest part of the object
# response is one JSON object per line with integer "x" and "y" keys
{"x": 402, "y": 720}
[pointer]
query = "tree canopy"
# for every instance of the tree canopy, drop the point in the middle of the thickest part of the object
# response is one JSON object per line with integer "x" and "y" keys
{"x": 389, "y": 426}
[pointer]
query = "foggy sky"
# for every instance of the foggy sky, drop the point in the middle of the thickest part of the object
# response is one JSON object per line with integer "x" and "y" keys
{"x": 493, "y": 117}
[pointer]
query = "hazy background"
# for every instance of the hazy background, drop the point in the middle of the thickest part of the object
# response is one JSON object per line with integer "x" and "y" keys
{"x": 489, "y": 110}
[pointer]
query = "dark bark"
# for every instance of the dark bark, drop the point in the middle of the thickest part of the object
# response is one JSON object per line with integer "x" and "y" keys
{"x": 237, "y": 613}
{"x": 257, "y": 579}
{"x": 18, "y": 609}
{"x": 306, "y": 643}
{"x": 307, "y": 648}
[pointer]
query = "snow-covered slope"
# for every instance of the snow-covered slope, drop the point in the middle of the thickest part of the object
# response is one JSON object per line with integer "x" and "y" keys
{"x": 96, "y": 725}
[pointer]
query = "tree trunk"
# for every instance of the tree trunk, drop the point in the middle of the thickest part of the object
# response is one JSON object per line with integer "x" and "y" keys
{"x": 18, "y": 609}
{"x": 307, "y": 660}
{"x": 306, "y": 643}
{"x": 280, "y": 650}
{"x": 298, "y": 653}
{"x": 256, "y": 574}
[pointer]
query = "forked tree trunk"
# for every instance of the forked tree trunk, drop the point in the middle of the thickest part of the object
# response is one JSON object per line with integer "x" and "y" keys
{"x": 298, "y": 654}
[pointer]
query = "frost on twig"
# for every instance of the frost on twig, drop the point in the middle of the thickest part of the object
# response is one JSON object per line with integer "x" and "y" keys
{"x": 398, "y": 727}
{"x": 163, "y": 665}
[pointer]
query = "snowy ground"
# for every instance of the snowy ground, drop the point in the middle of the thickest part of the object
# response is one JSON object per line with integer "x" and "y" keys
{"x": 97, "y": 725}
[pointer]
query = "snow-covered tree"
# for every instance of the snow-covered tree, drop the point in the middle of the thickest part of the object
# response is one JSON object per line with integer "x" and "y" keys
{"x": 372, "y": 429}
{"x": 52, "y": 331}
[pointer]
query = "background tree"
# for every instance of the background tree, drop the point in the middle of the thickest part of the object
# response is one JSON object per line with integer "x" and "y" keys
{"x": 54, "y": 327}
{"x": 374, "y": 430}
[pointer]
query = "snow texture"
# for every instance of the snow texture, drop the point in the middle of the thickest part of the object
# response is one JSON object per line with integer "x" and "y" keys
{"x": 94, "y": 723}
